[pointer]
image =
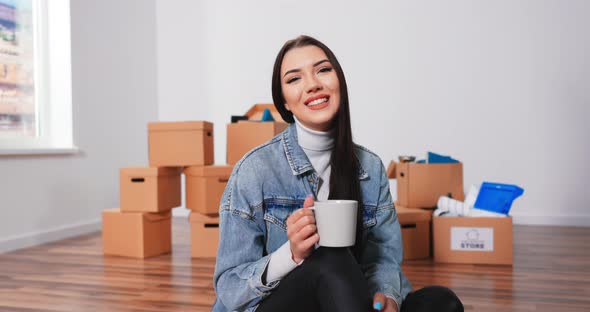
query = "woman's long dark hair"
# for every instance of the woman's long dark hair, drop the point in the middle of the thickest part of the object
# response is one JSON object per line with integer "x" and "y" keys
{"x": 344, "y": 176}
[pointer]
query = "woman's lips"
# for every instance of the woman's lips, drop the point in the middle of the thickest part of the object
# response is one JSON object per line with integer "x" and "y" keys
{"x": 318, "y": 106}
{"x": 317, "y": 97}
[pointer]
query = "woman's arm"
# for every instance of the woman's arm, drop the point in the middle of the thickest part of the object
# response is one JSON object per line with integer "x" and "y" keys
{"x": 241, "y": 259}
{"x": 240, "y": 262}
{"x": 382, "y": 255}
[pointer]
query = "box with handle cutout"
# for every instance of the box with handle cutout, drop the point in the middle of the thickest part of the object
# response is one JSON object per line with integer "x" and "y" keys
{"x": 149, "y": 189}
{"x": 204, "y": 235}
{"x": 204, "y": 187}
{"x": 415, "y": 227}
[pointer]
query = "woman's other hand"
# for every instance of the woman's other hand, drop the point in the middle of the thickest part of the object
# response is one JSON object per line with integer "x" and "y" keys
{"x": 383, "y": 303}
{"x": 302, "y": 231}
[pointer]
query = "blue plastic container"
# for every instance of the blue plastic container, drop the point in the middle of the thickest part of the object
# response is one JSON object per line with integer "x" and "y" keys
{"x": 497, "y": 197}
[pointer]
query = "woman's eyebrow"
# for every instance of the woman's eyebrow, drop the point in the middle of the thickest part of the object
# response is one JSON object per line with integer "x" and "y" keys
{"x": 298, "y": 70}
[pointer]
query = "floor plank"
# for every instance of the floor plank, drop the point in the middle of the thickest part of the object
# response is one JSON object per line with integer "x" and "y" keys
{"x": 551, "y": 272}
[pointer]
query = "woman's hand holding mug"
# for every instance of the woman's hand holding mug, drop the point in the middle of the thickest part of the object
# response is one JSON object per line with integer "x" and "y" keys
{"x": 302, "y": 231}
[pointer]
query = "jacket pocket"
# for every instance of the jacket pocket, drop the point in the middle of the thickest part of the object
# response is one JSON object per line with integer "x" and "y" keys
{"x": 278, "y": 209}
{"x": 369, "y": 216}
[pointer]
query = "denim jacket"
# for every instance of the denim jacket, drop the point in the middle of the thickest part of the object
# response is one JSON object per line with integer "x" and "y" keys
{"x": 265, "y": 187}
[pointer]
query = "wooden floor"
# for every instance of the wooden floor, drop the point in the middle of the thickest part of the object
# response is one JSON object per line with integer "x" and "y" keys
{"x": 551, "y": 272}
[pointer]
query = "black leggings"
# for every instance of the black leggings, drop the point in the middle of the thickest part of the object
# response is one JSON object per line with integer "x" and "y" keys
{"x": 331, "y": 280}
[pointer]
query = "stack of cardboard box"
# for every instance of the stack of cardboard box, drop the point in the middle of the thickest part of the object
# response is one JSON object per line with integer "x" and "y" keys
{"x": 205, "y": 184}
{"x": 141, "y": 227}
{"x": 455, "y": 239}
{"x": 418, "y": 188}
{"x": 204, "y": 188}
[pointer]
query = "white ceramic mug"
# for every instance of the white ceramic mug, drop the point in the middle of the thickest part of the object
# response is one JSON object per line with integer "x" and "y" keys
{"x": 336, "y": 222}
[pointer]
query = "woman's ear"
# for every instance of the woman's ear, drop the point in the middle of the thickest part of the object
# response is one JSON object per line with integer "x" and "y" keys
{"x": 287, "y": 107}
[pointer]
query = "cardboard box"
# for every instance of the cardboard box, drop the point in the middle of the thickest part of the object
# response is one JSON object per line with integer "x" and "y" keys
{"x": 415, "y": 226}
{"x": 421, "y": 185}
{"x": 244, "y": 135}
{"x": 179, "y": 144}
{"x": 204, "y": 235}
{"x": 136, "y": 234}
{"x": 472, "y": 240}
{"x": 149, "y": 189}
{"x": 205, "y": 186}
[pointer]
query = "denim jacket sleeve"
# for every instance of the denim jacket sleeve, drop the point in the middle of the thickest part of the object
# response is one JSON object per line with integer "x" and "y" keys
{"x": 241, "y": 259}
{"x": 382, "y": 256}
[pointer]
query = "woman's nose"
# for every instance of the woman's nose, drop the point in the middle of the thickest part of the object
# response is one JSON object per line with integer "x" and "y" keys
{"x": 313, "y": 85}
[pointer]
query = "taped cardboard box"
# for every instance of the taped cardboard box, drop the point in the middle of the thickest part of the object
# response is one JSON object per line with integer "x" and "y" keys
{"x": 415, "y": 227}
{"x": 180, "y": 144}
{"x": 136, "y": 234}
{"x": 205, "y": 186}
{"x": 421, "y": 185}
{"x": 482, "y": 240}
{"x": 245, "y": 135}
{"x": 204, "y": 235}
{"x": 149, "y": 189}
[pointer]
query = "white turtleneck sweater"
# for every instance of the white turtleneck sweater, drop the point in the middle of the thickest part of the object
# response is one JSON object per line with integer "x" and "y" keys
{"x": 318, "y": 146}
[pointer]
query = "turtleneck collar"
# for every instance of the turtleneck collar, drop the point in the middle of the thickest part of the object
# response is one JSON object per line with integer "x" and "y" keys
{"x": 313, "y": 140}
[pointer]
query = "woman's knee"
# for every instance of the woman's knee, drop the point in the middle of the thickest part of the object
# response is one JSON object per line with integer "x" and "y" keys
{"x": 448, "y": 297}
{"x": 433, "y": 298}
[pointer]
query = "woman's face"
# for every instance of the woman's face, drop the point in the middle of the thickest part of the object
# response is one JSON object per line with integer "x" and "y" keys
{"x": 310, "y": 87}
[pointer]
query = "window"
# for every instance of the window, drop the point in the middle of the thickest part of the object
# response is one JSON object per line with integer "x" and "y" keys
{"x": 35, "y": 77}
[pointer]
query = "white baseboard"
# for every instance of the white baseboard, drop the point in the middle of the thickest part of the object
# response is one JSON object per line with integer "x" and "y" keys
{"x": 38, "y": 238}
{"x": 552, "y": 220}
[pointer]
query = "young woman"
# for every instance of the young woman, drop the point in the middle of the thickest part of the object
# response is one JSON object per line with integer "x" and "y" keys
{"x": 267, "y": 258}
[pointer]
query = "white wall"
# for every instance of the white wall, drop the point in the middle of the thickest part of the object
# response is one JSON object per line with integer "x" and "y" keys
{"x": 114, "y": 96}
{"x": 500, "y": 85}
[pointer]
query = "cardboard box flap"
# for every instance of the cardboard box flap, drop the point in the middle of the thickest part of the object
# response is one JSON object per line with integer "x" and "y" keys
{"x": 255, "y": 112}
{"x": 391, "y": 170}
{"x": 180, "y": 126}
{"x": 412, "y": 215}
{"x": 209, "y": 171}
{"x": 201, "y": 218}
{"x": 139, "y": 172}
{"x": 155, "y": 217}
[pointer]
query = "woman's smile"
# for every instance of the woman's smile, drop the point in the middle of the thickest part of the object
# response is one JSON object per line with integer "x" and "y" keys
{"x": 318, "y": 102}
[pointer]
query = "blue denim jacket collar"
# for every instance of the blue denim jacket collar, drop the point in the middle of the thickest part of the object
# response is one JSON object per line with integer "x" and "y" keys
{"x": 296, "y": 156}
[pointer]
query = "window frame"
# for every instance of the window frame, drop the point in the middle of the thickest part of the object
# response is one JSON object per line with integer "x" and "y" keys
{"x": 53, "y": 84}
